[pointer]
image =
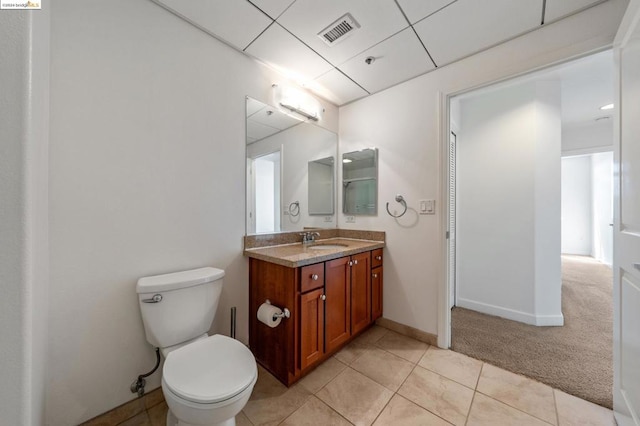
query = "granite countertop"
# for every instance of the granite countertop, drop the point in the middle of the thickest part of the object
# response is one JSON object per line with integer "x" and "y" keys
{"x": 295, "y": 255}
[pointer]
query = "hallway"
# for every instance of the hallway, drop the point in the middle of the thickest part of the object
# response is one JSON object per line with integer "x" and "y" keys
{"x": 576, "y": 358}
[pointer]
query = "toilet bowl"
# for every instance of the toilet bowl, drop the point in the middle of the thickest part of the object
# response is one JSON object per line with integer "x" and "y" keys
{"x": 209, "y": 381}
{"x": 206, "y": 380}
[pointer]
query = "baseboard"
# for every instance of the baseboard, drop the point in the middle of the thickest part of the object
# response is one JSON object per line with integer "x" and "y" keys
{"x": 511, "y": 314}
{"x": 408, "y": 331}
{"x": 127, "y": 410}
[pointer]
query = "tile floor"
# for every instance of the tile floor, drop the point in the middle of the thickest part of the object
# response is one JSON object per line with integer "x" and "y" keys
{"x": 384, "y": 378}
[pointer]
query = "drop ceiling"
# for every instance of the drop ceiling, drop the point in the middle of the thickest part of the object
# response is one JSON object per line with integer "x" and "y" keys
{"x": 404, "y": 38}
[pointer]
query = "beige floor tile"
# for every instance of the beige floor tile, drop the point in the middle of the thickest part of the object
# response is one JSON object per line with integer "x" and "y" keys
{"x": 575, "y": 411}
{"x": 372, "y": 335}
{"x": 403, "y": 346}
{"x": 441, "y": 396}
{"x": 519, "y": 392}
{"x": 355, "y": 396}
{"x": 158, "y": 414}
{"x": 452, "y": 365}
{"x": 315, "y": 412}
{"x": 153, "y": 398}
{"x": 487, "y": 411}
{"x": 351, "y": 352}
{"x": 271, "y": 401}
{"x": 141, "y": 419}
{"x": 385, "y": 368}
{"x": 118, "y": 414}
{"x": 242, "y": 420}
{"x": 401, "y": 411}
{"x": 322, "y": 375}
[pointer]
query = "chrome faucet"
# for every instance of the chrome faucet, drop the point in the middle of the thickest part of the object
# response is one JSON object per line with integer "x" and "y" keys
{"x": 309, "y": 237}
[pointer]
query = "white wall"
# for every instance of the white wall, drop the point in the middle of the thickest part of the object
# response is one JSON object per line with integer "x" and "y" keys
{"x": 587, "y": 206}
{"x": 147, "y": 175}
{"x": 403, "y": 123}
{"x": 24, "y": 129}
{"x": 587, "y": 138}
{"x": 576, "y": 205}
{"x": 602, "y": 187}
{"x": 508, "y": 203}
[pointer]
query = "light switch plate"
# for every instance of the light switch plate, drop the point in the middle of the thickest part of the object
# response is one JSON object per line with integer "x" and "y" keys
{"x": 427, "y": 206}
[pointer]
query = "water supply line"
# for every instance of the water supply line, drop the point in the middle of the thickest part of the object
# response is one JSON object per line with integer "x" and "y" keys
{"x": 138, "y": 385}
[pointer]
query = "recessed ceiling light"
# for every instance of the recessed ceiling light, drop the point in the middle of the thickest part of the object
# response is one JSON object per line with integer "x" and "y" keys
{"x": 605, "y": 107}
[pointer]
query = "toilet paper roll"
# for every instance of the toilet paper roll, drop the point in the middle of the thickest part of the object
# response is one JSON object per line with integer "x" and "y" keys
{"x": 265, "y": 315}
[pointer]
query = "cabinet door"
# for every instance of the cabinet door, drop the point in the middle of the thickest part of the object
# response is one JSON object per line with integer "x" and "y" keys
{"x": 311, "y": 327}
{"x": 338, "y": 302}
{"x": 376, "y": 293}
{"x": 360, "y": 291}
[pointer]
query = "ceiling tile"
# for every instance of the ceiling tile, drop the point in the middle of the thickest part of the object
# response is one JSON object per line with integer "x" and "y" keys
{"x": 559, "y": 8}
{"x": 273, "y": 8}
{"x": 397, "y": 59}
{"x": 378, "y": 19}
{"x": 213, "y": 16}
{"x": 420, "y": 9}
{"x": 257, "y": 130}
{"x": 468, "y": 26}
{"x": 337, "y": 88}
{"x": 279, "y": 49}
{"x": 272, "y": 117}
{"x": 254, "y": 106}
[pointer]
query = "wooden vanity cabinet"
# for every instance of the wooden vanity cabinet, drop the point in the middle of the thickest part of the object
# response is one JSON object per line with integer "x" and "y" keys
{"x": 360, "y": 291}
{"x": 376, "y": 284}
{"x": 330, "y": 303}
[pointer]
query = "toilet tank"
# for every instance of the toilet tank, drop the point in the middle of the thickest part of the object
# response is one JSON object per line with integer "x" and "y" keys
{"x": 180, "y": 306}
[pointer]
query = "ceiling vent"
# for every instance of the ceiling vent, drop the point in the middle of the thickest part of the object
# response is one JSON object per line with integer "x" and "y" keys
{"x": 339, "y": 30}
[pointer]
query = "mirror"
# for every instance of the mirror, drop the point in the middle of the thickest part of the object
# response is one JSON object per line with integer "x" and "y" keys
{"x": 360, "y": 182}
{"x": 321, "y": 186}
{"x": 290, "y": 169}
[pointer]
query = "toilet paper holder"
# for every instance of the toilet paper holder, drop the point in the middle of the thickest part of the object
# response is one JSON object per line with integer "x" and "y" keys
{"x": 284, "y": 314}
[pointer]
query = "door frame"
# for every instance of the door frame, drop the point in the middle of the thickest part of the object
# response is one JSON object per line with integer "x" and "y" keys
{"x": 444, "y": 130}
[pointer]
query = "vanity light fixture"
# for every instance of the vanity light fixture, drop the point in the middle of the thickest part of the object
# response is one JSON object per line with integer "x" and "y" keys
{"x": 606, "y": 107}
{"x": 297, "y": 101}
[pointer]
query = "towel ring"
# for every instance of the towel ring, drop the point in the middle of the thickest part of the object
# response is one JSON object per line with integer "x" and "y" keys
{"x": 399, "y": 199}
{"x": 294, "y": 207}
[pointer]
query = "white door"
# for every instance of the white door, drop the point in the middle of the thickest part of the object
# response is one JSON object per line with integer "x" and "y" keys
{"x": 626, "y": 263}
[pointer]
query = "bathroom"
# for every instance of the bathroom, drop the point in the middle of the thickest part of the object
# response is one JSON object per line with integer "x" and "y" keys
{"x": 143, "y": 173}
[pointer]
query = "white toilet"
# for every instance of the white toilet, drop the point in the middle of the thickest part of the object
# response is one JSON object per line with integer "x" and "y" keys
{"x": 206, "y": 380}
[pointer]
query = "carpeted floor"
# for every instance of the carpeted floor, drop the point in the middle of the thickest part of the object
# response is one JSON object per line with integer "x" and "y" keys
{"x": 576, "y": 358}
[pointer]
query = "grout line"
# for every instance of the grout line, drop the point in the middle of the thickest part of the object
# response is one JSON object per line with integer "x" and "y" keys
{"x": 515, "y": 408}
{"x": 555, "y": 404}
{"x": 470, "y": 405}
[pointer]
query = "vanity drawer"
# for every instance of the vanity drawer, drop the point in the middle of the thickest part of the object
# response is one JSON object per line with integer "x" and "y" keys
{"x": 311, "y": 277}
{"x": 376, "y": 258}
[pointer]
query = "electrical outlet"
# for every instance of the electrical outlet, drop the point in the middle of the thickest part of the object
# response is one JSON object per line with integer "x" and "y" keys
{"x": 328, "y": 218}
{"x": 351, "y": 219}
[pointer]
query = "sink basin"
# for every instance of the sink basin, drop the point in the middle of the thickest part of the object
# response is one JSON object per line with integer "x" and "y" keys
{"x": 327, "y": 246}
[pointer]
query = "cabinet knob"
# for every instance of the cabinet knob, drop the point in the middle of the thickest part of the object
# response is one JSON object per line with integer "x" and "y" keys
{"x": 375, "y": 275}
{"x": 378, "y": 257}
{"x": 350, "y": 263}
{"x": 323, "y": 297}
{"x": 355, "y": 262}
{"x": 314, "y": 277}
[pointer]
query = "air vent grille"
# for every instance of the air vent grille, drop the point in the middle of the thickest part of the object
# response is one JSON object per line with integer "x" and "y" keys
{"x": 339, "y": 30}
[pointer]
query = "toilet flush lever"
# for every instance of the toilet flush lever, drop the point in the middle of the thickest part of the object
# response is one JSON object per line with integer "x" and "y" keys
{"x": 155, "y": 299}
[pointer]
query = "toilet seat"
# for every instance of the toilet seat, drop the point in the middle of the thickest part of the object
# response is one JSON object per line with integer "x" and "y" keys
{"x": 210, "y": 370}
